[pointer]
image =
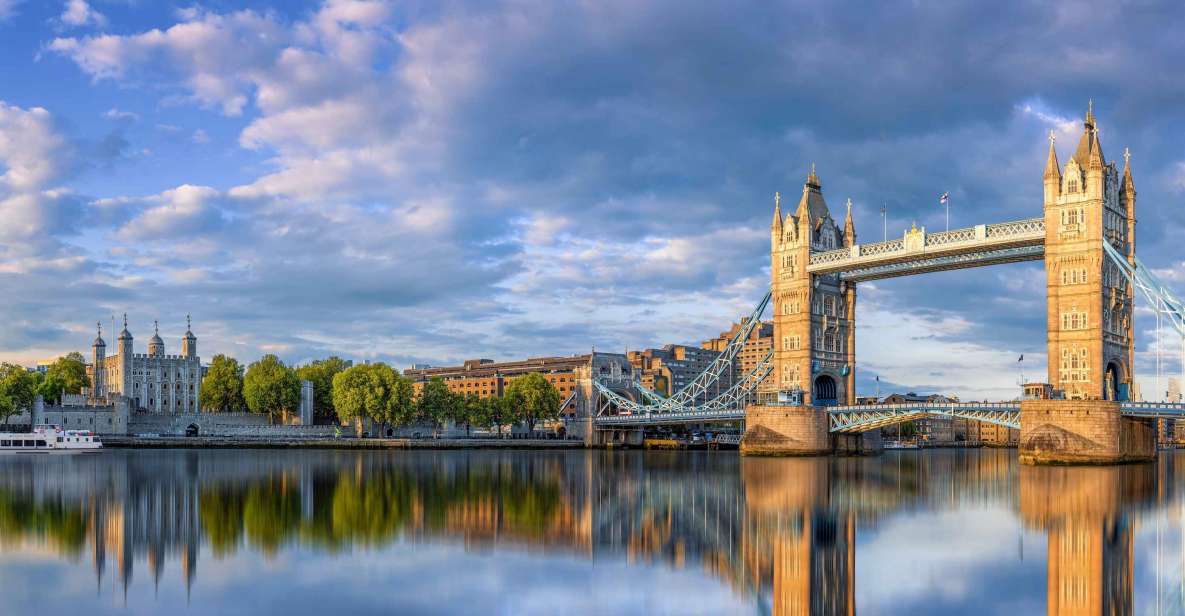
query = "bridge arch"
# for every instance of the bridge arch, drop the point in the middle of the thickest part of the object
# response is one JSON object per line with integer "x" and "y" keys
{"x": 1114, "y": 376}
{"x": 826, "y": 391}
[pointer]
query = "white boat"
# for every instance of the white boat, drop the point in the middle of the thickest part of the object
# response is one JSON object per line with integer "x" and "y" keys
{"x": 50, "y": 439}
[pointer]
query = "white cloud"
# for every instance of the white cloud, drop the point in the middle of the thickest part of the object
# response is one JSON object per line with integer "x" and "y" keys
{"x": 200, "y": 137}
{"x": 120, "y": 115}
{"x": 78, "y": 13}
{"x": 31, "y": 149}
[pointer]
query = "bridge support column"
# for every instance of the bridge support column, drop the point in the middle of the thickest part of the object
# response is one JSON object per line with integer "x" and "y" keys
{"x": 786, "y": 431}
{"x": 1083, "y": 432}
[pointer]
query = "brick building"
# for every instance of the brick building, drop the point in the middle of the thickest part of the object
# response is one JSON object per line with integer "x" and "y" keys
{"x": 488, "y": 378}
{"x": 673, "y": 367}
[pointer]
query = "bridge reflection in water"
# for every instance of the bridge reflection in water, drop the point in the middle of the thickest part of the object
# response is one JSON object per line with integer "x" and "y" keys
{"x": 781, "y": 533}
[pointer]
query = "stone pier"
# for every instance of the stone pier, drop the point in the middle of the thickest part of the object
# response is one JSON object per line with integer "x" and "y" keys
{"x": 800, "y": 431}
{"x": 1083, "y": 432}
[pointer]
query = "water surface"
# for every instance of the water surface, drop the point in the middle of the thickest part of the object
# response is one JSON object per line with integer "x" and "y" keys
{"x": 584, "y": 532}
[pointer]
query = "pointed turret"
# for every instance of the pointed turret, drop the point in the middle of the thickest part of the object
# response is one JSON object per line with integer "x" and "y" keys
{"x": 189, "y": 341}
{"x": 1097, "y": 161}
{"x": 1082, "y": 153}
{"x": 156, "y": 346}
{"x": 849, "y": 228}
{"x": 811, "y": 207}
{"x": 777, "y": 224}
{"x": 1053, "y": 173}
{"x": 1128, "y": 184}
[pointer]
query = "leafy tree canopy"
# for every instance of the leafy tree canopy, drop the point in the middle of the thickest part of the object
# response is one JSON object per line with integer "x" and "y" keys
{"x": 271, "y": 388}
{"x": 222, "y": 388}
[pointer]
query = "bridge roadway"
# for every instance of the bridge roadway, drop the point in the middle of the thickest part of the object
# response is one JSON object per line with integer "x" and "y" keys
{"x": 860, "y": 418}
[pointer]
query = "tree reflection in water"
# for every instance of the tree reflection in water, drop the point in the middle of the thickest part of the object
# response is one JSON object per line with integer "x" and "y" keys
{"x": 780, "y": 531}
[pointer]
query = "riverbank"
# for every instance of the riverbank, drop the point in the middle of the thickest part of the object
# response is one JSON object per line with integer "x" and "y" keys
{"x": 222, "y": 442}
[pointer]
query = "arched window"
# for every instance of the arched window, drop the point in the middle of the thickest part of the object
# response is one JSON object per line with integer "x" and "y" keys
{"x": 1072, "y": 186}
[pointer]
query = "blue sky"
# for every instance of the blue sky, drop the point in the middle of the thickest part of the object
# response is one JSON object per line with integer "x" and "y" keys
{"x": 430, "y": 182}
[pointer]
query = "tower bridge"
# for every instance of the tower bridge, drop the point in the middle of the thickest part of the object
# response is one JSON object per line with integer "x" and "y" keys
{"x": 800, "y": 400}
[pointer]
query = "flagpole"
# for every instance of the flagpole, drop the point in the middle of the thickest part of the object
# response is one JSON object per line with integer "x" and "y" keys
{"x": 948, "y": 214}
{"x": 885, "y": 220}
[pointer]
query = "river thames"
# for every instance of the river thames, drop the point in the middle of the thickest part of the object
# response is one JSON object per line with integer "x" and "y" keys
{"x": 584, "y": 532}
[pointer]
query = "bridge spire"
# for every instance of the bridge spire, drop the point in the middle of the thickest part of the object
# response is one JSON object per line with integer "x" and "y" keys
{"x": 1053, "y": 170}
{"x": 777, "y": 225}
{"x": 849, "y": 227}
{"x": 1127, "y": 169}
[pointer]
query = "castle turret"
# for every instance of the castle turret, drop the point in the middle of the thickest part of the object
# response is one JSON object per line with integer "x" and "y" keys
{"x": 156, "y": 346}
{"x": 189, "y": 341}
{"x": 125, "y": 339}
{"x": 124, "y": 375}
{"x": 98, "y": 356}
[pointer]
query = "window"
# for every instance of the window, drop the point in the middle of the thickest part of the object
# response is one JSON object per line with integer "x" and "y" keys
{"x": 1072, "y": 186}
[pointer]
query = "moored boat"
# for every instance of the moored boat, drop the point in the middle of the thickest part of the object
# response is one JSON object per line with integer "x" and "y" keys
{"x": 50, "y": 439}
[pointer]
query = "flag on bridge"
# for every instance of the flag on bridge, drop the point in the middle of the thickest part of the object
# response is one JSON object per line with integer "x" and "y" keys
{"x": 944, "y": 199}
{"x": 1022, "y": 357}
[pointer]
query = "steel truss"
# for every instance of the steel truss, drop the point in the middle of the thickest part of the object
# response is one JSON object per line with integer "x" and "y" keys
{"x": 977, "y": 258}
{"x": 733, "y": 400}
{"x": 870, "y": 417}
{"x": 1162, "y": 299}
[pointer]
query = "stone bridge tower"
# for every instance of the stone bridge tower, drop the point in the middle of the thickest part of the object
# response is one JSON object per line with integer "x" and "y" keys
{"x": 1089, "y": 301}
{"x": 814, "y": 316}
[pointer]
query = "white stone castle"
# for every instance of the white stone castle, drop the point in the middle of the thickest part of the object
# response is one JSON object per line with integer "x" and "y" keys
{"x": 153, "y": 382}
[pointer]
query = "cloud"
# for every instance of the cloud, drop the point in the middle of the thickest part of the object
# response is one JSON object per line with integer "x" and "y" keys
{"x": 120, "y": 115}
{"x": 463, "y": 174}
{"x": 78, "y": 13}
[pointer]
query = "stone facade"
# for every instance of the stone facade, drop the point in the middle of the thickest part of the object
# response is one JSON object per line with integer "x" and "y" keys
{"x": 1089, "y": 301}
{"x": 1083, "y": 432}
{"x": 814, "y": 316}
{"x": 154, "y": 382}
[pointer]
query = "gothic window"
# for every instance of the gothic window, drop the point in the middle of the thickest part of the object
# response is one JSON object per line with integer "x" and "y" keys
{"x": 1072, "y": 186}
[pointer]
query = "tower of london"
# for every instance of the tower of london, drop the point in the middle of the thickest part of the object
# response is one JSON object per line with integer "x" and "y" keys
{"x": 154, "y": 382}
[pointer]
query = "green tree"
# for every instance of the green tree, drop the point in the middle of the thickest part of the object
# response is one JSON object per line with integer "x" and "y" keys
{"x": 222, "y": 389}
{"x": 67, "y": 374}
{"x": 321, "y": 374}
{"x": 7, "y": 407}
{"x": 533, "y": 398}
{"x": 373, "y": 391}
{"x": 19, "y": 386}
{"x": 476, "y": 411}
{"x": 437, "y": 403}
{"x": 271, "y": 388}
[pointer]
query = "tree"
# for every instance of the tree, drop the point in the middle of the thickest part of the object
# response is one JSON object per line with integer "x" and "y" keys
{"x": 222, "y": 389}
{"x": 321, "y": 374}
{"x": 67, "y": 374}
{"x": 19, "y": 386}
{"x": 436, "y": 402}
{"x": 271, "y": 388}
{"x": 475, "y": 411}
{"x": 532, "y": 398}
{"x": 7, "y": 407}
{"x": 373, "y": 391}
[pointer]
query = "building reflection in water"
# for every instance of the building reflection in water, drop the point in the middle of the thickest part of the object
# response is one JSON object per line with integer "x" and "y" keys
{"x": 780, "y": 531}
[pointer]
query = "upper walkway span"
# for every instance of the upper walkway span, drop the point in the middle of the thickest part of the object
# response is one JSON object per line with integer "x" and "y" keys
{"x": 918, "y": 252}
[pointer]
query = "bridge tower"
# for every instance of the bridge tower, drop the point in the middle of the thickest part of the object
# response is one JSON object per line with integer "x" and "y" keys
{"x": 814, "y": 315}
{"x": 1089, "y": 302}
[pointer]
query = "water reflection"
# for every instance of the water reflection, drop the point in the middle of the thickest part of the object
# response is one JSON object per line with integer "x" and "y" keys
{"x": 785, "y": 536}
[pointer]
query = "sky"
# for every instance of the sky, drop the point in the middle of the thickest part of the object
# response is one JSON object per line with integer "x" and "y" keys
{"x": 428, "y": 182}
